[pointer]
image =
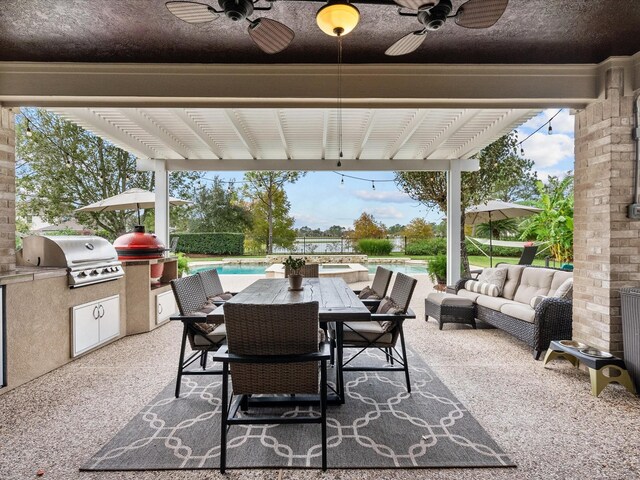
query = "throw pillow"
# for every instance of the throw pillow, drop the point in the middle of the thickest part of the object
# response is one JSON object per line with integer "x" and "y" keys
{"x": 367, "y": 292}
{"x": 205, "y": 328}
{"x": 222, "y": 297}
{"x": 565, "y": 290}
{"x": 482, "y": 287}
{"x": 535, "y": 301}
{"x": 389, "y": 307}
{"x": 494, "y": 276}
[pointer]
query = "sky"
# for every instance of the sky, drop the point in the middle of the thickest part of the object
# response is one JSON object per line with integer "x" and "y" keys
{"x": 319, "y": 200}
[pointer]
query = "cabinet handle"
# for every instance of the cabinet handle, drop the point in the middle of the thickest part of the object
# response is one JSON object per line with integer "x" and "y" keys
{"x": 101, "y": 313}
{"x": 160, "y": 309}
{"x": 96, "y": 312}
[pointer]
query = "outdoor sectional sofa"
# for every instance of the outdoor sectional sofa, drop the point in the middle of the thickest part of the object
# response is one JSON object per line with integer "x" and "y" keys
{"x": 512, "y": 312}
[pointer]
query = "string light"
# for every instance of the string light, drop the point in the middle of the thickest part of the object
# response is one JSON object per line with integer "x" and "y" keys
{"x": 29, "y": 132}
{"x": 372, "y": 180}
{"x": 373, "y": 185}
{"x": 342, "y": 180}
{"x": 549, "y": 131}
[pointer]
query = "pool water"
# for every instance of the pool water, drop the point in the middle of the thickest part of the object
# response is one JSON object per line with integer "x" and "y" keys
{"x": 260, "y": 269}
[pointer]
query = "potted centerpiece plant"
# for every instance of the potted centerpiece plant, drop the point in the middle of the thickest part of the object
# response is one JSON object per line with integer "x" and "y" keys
{"x": 295, "y": 278}
{"x": 437, "y": 270}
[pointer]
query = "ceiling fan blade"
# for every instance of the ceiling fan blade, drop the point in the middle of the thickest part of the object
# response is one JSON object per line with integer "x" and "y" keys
{"x": 192, "y": 12}
{"x": 480, "y": 13}
{"x": 407, "y": 44}
{"x": 415, "y": 4}
{"x": 270, "y": 36}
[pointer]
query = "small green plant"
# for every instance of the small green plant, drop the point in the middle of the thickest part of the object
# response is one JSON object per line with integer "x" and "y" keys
{"x": 294, "y": 264}
{"x": 437, "y": 269}
{"x": 183, "y": 264}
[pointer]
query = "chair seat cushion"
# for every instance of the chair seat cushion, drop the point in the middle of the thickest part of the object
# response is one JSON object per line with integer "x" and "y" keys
{"x": 354, "y": 331}
{"x": 217, "y": 335}
{"x": 221, "y": 297}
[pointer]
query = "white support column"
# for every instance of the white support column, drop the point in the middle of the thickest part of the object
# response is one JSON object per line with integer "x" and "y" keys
{"x": 453, "y": 222}
{"x": 162, "y": 202}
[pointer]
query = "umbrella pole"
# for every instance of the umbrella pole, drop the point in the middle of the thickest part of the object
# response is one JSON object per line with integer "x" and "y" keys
{"x": 490, "y": 242}
{"x": 138, "y": 210}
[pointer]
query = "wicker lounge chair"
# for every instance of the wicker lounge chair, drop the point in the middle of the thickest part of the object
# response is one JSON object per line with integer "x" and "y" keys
{"x": 273, "y": 350}
{"x": 384, "y": 329}
{"x": 203, "y": 337}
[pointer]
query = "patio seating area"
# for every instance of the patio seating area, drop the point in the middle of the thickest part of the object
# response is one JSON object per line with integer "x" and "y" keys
{"x": 544, "y": 418}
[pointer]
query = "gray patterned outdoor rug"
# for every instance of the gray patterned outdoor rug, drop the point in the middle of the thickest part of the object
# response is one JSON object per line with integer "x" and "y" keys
{"x": 379, "y": 426}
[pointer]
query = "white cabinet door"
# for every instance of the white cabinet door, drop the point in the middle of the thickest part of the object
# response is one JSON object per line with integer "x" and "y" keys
{"x": 95, "y": 323}
{"x": 109, "y": 310}
{"x": 3, "y": 360}
{"x": 165, "y": 306}
{"x": 86, "y": 328}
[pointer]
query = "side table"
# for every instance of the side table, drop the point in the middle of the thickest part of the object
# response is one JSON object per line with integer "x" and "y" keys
{"x": 596, "y": 366}
{"x": 447, "y": 308}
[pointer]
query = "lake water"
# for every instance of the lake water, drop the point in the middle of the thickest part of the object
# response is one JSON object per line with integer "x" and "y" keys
{"x": 231, "y": 269}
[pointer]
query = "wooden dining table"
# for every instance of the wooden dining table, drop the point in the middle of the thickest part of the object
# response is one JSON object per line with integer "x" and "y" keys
{"x": 337, "y": 303}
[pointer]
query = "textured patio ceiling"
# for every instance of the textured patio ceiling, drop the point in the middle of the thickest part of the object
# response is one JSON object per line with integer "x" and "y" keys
{"x": 298, "y": 139}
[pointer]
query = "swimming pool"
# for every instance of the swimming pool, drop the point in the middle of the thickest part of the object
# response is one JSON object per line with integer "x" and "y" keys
{"x": 236, "y": 269}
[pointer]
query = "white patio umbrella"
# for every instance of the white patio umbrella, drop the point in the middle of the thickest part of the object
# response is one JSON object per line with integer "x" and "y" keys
{"x": 496, "y": 210}
{"x": 132, "y": 199}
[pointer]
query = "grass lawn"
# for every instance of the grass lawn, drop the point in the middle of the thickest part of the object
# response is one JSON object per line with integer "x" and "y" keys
{"x": 482, "y": 261}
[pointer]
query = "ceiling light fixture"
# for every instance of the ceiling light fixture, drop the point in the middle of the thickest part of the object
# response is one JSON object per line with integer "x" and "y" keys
{"x": 338, "y": 18}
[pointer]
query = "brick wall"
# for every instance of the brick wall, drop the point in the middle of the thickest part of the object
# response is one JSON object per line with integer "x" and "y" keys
{"x": 7, "y": 190}
{"x": 606, "y": 242}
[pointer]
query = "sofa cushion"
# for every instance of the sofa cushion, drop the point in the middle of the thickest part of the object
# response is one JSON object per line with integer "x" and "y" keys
{"x": 514, "y": 272}
{"x": 468, "y": 294}
{"x": 535, "y": 301}
{"x": 494, "y": 303}
{"x": 518, "y": 310}
{"x": 494, "y": 276}
{"x": 438, "y": 298}
{"x": 482, "y": 287}
{"x": 534, "y": 281}
{"x": 565, "y": 291}
{"x": 558, "y": 279}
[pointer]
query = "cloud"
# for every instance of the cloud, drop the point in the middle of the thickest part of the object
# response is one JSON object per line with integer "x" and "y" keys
{"x": 545, "y": 174}
{"x": 378, "y": 196}
{"x": 387, "y": 213}
{"x": 563, "y": 123}
{"x": 314, "y": 221}
{"x": 548, "y": 150}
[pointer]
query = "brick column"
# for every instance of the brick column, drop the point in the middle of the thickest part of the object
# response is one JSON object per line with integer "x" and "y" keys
{"x": 606, "y": 242}
{"x": 7, "y": 190}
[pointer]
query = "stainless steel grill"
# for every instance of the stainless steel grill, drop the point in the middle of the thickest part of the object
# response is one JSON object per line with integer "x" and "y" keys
{"x": 88, "y": 260}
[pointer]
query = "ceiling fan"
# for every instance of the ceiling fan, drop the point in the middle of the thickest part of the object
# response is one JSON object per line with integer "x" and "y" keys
{"x": 433, "y": 15}
{"x": 269, "y": 35}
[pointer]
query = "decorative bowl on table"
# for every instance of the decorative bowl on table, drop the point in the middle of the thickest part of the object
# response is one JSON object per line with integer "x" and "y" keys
{"x": 572, "y": 344}
{"x": 594, "y": 352}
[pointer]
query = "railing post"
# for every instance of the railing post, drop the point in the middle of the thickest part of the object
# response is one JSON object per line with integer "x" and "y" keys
{"x": 304, "y": 245}
{"x": 341, "y": 245}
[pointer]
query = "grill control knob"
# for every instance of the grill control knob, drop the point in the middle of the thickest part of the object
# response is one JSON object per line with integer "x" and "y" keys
{"x": 82, "y": 274}
{"x": 93, "y": 272}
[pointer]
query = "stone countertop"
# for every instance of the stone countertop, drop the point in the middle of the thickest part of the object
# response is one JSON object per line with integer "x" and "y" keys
{"x": 149, "y": 261}
{"x": 29, "y": 274}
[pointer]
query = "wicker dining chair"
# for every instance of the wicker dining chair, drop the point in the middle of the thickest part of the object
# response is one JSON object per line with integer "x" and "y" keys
{"x": 272, "y": 350}
{"x": 378, "y": 288}
{"x": 384, "y": 330}
{"x": 213, "y": 286}
{"x": 203, "y": 337}
{"x": 310, "y": 270}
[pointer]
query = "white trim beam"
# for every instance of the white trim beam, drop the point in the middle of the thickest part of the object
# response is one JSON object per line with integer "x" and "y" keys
{"x": 238, "y": 128}
{"x": 449, "y": 131}
{"x": 148, "y": 124}
{"x": 364, "y": 86}
{"x": 190, "y": 123}
{"x": 315, "y": 165}
{"x": 161, "y": 178}
{"x": 325, "y": 133}
{"x": 93, "y": 122}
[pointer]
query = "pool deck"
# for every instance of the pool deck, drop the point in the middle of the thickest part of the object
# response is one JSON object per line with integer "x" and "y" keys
{"x": 349, "y": 272}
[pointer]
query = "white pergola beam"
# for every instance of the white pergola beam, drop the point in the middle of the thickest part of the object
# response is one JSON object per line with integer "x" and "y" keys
{"x": 367, "y": 133}
{"x": 283, "y": 138}
{"x": 184, "y": 116}
{"x": 310, "y": 165}
{"x": 325, "y": 132}
{"x": 449, "y": 131}
{"x": 238, "y": 128}
{"x": 93, "y": 122}
{"x": 408, "y": 132}
{"x": 150, "y": 126}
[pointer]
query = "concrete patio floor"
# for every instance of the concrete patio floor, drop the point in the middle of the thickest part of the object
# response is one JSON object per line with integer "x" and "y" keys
{"x": 545, "y": 419}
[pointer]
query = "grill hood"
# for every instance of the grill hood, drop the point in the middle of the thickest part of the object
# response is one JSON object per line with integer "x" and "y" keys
{"x": 88, "y": 259}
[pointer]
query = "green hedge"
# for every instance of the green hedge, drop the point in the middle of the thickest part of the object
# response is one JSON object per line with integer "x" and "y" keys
{"x": 428, "y": 247}
{"x": 438, "y": 246}
{"x": 210, "y": 243}
{"x": 375, "y": 246}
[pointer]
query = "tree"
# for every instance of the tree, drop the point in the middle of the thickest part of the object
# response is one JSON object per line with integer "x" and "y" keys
{"x": 365, "y": 226}
{"x": 502, "y": 174}
{"x": 266, "y": 190}
{"x": 499, "y": 229}
{"x": 555, "y": 222}
{"x": 396, "y": 229}
{"x": 280, "y": 231}
{"x": 61, "y": 167}
{"x": 418, "y": 228}
{"x": 334, "y": 231}
{"x": 218, "y": 209}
